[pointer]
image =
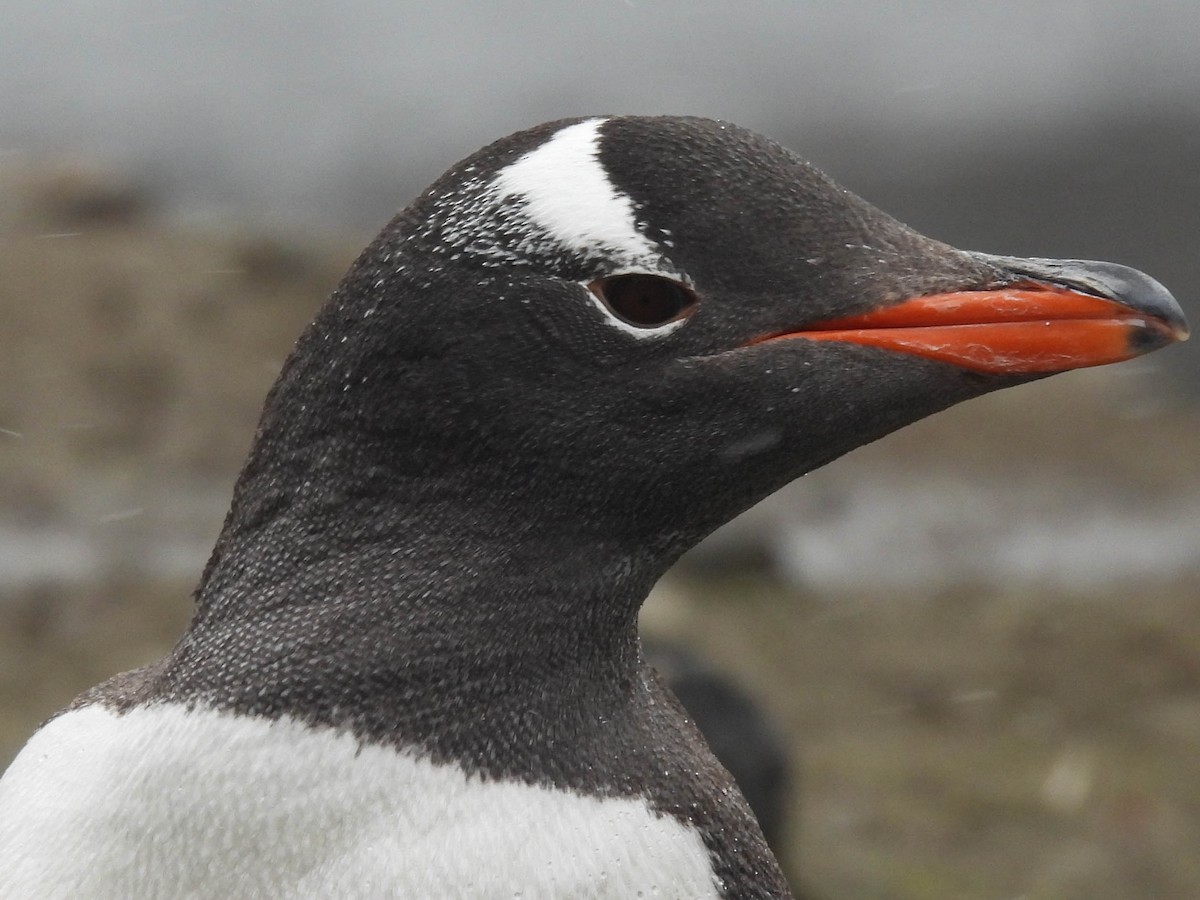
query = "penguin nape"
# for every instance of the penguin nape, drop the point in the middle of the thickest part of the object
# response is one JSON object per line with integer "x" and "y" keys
{"x": 413, "y": 668}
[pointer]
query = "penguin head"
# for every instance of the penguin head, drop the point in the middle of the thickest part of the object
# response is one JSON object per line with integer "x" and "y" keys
{"x": 640, "y": 326}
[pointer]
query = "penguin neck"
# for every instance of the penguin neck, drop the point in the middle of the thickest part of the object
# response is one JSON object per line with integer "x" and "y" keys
{"x": 367, "y": 549}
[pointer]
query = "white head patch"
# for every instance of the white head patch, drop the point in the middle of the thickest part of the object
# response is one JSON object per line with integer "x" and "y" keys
{"x": 565, "y": 192}
{"x": 556, "y": 200}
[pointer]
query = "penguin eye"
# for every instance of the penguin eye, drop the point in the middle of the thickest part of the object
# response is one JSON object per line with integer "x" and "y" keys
{"x": 645, "y": 301}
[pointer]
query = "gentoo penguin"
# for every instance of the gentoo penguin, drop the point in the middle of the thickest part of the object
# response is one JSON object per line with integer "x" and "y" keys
{"x": 413, "y": 668}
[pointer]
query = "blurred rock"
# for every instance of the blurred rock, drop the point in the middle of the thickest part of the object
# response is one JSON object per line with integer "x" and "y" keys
{"x": 71, "y": 195}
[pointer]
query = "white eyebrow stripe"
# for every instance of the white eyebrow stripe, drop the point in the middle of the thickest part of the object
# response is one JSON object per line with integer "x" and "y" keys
{"x": 565, "y": 191}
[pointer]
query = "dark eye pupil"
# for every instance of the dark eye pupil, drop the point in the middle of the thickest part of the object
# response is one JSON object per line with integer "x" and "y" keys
{"x": 643, "y": 300}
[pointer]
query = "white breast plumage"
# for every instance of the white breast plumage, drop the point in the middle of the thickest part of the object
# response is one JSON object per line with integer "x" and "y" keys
{"x": 165, "y": 801}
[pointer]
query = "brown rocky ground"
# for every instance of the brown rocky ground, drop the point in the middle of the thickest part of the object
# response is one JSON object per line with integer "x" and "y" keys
{"x": 985, "y": 743}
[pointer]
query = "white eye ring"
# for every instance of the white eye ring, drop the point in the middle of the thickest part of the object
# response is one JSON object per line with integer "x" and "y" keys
{"x": 642, "y": 304}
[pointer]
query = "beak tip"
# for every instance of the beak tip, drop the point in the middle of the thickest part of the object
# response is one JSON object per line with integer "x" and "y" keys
{"x": 1154, "y": 335}
{"x": 1125, "y": 285}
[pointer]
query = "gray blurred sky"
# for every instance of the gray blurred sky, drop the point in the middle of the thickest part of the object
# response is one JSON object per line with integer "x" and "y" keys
{"x": 340, "y": 110}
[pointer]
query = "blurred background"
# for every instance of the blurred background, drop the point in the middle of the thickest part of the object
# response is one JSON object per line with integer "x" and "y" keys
{"x": 977, "y": 641}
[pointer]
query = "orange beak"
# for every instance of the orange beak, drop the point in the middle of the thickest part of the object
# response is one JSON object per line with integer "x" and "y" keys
{"x": 1031, "y": 327}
